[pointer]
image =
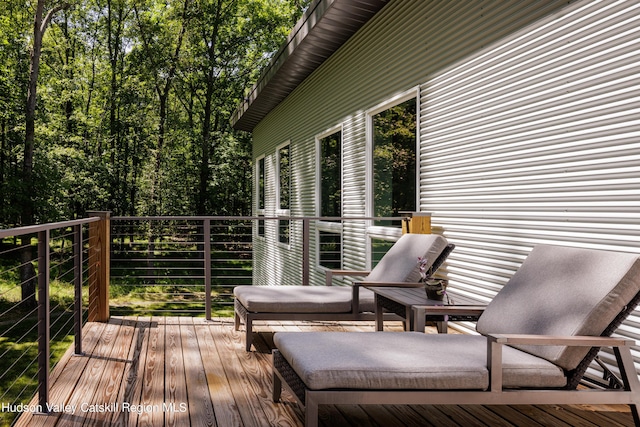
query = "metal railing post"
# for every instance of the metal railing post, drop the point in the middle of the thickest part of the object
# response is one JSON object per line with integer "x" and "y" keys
{"x": 43, "y": 318}
{"x": 207, "y": 267}
{"x": 305, "y": 251}
{"x": 77, "y": 283}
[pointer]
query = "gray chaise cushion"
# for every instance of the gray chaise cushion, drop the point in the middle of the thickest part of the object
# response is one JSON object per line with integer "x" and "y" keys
{"x": 301, "y": 299}
{"x": 563, "y": 291}
{"x": 400, "y": 263}
{"x": 410, "y": 360}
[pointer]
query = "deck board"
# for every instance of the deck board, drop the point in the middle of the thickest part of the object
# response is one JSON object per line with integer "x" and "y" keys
{"x": 226, "y": 412}
{"x": 174, "y": 371}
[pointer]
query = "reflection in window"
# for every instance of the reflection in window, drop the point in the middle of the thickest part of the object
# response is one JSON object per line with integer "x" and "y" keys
{"x": 283, "y": 231}
{"x": 261, "y": 196}
{"x": 284, "y": 176}
{"x": 330, "y": 250}
{"x": 330, "y": 176}
{"x": 261, "y": 183}
{"x": 284, "y": 180}
{"x": 379, "y": 248}
{"x": 330, "y": 200}
{"x": 394, "y": 161}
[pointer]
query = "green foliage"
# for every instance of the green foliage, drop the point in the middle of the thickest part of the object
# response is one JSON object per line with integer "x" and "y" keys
{"x": 105, "y": 137}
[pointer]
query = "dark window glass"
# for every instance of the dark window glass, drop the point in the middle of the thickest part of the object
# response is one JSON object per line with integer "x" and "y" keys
{"x": 283, "y": 158}
{"x": 330, "y": 250}
{"x": 394, "y": 161}
{"x": 261, "y": 183}
{"x": 283, "y": 231}
{"x": 379, "y": 247}
{"x": 331, "y": 176}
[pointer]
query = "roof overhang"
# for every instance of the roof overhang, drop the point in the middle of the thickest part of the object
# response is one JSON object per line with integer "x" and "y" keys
{"x": 324, "y": 27}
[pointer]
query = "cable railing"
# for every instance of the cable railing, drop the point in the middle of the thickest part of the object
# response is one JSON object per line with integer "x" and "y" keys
{"x": 185, "y": 266}
{"x": 55, "y": 277}
{"x": 44, "y": 277}
{"x": 188, "y": 266}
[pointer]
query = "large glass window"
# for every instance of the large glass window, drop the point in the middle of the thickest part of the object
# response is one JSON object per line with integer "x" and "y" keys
{"x": 260, "y": 196}
{"x": 329, "y": 190}
{"x": 330, "y": 250}
{"x": 283, "y": 177}
{"x": 394, "y": 161}
{"x": 284, "y": 184}
{"x": 331, "y": 175}
{"x": 379, "y": 248}
{"x": 260, "y": 183}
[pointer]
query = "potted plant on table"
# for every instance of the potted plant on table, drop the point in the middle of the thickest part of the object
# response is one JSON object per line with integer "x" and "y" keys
{"x": 435, "y": 288}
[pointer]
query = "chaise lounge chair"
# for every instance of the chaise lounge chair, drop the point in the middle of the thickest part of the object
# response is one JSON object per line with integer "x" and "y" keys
{"x": 537, "y": 338}
{"x": 397, "y": 267}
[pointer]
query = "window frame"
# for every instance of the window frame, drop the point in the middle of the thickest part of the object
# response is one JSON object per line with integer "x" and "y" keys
{"x": 260, "y": 195}
{"x": 279, "y": 211}
{"x": 328, "y": 226}
{"x": 377, "y": 231}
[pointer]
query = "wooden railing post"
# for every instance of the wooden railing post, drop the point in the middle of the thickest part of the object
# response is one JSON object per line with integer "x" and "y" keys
{"x": 99, "y": 265}
{"x": 417, "y": 223}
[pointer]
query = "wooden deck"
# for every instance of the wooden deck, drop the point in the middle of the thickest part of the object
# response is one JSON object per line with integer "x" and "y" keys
{"x": 187, "y": 371}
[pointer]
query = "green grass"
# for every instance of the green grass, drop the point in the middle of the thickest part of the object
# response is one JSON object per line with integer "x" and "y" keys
{"x": 19, "y": 350}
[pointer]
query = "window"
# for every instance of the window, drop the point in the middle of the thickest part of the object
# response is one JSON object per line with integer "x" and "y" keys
{"x": 260, "y": 197}
{"x": 331, "y": 175}
{"x": 260, "y": 185}
{"x": 283, "y": 196}
{"x": 379, "y": 248}
{"x": 329, "y": 190}
{"x": 394, "y": 160}
{"x": 283, "y": 177}
{"x": 330, "y": 250}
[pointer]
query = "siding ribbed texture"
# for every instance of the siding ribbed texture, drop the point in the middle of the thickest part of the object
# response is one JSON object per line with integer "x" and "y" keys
{"x": 535, "y": 140}
{"x": 394, "y": 52}
{"x": 528, "y": 127}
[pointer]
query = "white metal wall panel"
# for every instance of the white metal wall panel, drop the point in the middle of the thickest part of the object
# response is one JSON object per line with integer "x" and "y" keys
{"x": 535, "y": 139}
{"x": 529, "y": 130}
{"x": 406, "y": 42}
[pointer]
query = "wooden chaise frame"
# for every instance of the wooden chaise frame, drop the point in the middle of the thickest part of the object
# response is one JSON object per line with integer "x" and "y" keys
{"x": 242, "y": 315}
{"x": 627, "y": 392}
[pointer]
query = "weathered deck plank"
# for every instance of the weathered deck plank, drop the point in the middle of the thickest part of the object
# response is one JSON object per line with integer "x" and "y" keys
{"x": 184, "y": 371}
{"x": 225, "y": 407}
{"x": 109, "y": 385}
{"x": 74, "y": 367}
{"x": 86, "y": 389}
{"x": 200, "y": 402}
{"x": 131, "y": 389}
{"x": 176, "y": 394}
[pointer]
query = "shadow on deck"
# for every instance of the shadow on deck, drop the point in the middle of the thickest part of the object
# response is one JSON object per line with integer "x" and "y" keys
{"x": 165, "y": 371}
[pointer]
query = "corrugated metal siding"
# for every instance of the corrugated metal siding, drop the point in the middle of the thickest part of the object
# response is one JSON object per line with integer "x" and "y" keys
{"x": 529, "y": 129}
{"x": 535, "y": 140}
{"x": 394, "y": 52}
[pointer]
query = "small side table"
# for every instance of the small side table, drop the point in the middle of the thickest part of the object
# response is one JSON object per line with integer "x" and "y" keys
{"x": 412, "y": 305}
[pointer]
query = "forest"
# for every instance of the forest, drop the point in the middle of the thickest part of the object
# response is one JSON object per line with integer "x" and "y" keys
{"x": 124, "y": 105}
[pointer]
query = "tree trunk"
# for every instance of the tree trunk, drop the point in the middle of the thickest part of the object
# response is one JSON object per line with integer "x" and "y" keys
{"x": 3, "y": 147}
{"x": 28, "y": 277}
{"x": 27, "y": 205}
{"x": 206, "y": 123}
{"x": 39, "y": 27}
{"x": 163, "y": 97}
{"x": 114, "y": 43}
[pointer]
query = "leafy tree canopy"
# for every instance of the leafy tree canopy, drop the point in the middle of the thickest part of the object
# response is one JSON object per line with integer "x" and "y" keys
{"x": 133, "y": 104}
